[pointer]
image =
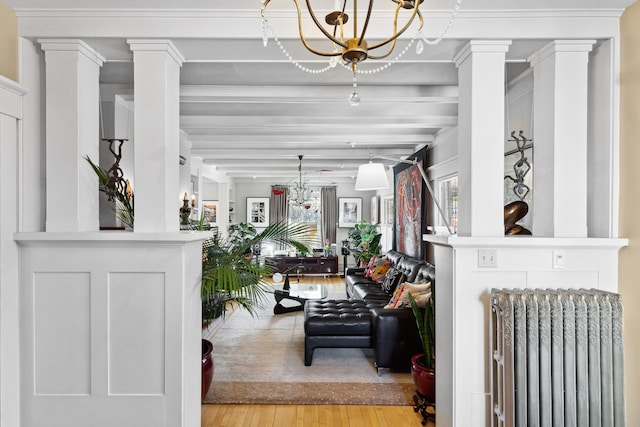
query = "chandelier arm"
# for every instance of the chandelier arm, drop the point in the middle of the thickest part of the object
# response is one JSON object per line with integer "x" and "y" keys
{"x": 366, "y": 23}
{"x": 355, "y": 18}
{"x": 335, "y": 27}
{"x": 415, "y": 12}
{"x": 320, "y": 27}
{"x": 393, "y": 44}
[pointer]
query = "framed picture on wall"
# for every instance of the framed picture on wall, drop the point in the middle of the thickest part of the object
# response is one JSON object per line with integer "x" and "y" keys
{"x": 211, "y": 211}
{"x": 349, "y": 211}
{"x": 374, "y": 210}
{"x": 410, "y": 207}
{"x": 258, "y": 211}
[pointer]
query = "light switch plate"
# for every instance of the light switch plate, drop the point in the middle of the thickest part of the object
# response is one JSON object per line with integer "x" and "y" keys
{"x": 487, "y": 258}
{"x": 558, "y": 260}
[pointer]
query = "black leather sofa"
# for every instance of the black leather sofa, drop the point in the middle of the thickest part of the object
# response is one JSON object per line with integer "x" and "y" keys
{"x": 362, "y": 320}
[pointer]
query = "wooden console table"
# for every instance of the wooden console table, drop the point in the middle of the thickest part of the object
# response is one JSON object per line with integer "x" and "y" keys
{"x": 311, "y": 264}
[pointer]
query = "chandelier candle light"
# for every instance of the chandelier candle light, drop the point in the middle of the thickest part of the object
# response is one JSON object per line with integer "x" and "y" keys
{"x": 350, "y": 44}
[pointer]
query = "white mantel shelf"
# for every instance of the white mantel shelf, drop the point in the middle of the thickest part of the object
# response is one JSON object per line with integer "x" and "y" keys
{"x": 524, "y": 242}
{"x": 111, "y": 236}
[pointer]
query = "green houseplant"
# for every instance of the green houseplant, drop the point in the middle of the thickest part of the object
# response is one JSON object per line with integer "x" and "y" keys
{"x": 423, "y": 364}
{"x": 364, "y": 239}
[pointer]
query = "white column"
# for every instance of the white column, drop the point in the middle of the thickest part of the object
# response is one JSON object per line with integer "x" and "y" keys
{"x": 560, "y": 73}
{"x": 157, "y": 134}
{"x": 481, "y": 85}
{"x": 72, "y": 98}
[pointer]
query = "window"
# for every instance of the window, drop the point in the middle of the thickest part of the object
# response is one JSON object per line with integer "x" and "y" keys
{"x": 448, "y": 198}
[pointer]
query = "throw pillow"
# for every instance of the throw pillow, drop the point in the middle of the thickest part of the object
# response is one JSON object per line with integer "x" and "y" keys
{"x": 395, "y": 296}
{"x": 369, "y": 268}
{"x": 391, "y": 280}
{"x": 380, "y": 268}
{"x": 420, "y": 291}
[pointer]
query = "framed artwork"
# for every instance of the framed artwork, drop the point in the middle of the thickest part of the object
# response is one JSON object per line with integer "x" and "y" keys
{"x": 211, "y": 211}
{"x": 349, "y": 211}
{"x": 258, "y": 211}
{"x": 386, "y": 210}
{"x": 374, "y": 210}
{"x": 410, "y": 207}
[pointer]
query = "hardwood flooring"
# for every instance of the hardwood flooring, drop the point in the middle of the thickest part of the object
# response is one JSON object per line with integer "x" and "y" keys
{"x": 309, "y": 415}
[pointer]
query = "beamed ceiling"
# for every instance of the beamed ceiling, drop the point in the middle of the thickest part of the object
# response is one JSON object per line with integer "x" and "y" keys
{"x": 249, "y": 112}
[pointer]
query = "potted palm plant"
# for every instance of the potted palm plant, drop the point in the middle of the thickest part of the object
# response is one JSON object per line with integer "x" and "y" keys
{"x": 423, "y": 364}
{"x": 232, "y": 275}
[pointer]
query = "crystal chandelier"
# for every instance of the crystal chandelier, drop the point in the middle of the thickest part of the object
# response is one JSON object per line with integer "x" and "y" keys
{"x": 299, "y": 192}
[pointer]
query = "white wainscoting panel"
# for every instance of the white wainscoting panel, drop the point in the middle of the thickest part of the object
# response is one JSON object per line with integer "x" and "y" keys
{"x": 63, "y": 343}
{"x": 110, "y": 329}
{"x": 137, "y": 311}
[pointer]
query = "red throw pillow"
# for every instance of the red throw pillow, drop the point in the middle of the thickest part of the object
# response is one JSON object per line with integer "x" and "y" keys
{"x": 369, "y": 267}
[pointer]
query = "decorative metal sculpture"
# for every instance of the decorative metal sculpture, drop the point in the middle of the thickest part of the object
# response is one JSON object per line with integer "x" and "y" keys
{"x": 520, "y": 167}
{"x": 116, "y": 183}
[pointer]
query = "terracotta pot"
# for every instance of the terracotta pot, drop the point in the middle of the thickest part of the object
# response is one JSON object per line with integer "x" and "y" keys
{"x": 207, "y": 367}
{"x": 424, "y": 378}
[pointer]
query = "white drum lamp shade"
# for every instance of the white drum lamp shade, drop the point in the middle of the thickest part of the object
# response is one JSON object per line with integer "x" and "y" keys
{"x": 371, "y": 176}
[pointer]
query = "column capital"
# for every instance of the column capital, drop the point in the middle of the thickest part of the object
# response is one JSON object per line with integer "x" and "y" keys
{"x": 557, "y": 46}
{"x": 150, "y": 45}
{"x": 482, "y": 46}
{"x": 72, "y": 45}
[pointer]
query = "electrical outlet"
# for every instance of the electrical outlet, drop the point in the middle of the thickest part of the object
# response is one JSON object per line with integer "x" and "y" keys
{"x": 487, "y": 258}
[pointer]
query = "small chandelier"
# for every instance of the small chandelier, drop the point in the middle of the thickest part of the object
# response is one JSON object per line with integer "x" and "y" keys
{"x": 300, "y": 193}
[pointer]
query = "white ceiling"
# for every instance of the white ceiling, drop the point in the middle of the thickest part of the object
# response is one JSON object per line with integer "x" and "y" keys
{"x": 250, "y": 112}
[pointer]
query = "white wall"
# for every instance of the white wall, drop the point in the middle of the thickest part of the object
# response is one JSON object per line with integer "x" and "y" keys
{"x": 11, "y": 115}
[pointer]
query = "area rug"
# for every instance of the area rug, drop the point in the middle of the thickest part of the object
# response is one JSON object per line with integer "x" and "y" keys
{"x": 260, "y": 360}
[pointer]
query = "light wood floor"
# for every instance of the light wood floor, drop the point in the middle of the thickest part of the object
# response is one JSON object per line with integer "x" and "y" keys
{"x": 309, "y": 415}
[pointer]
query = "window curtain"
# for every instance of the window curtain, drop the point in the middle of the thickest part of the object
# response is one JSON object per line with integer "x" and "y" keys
{"x": 329, "y": 213}
{"x": 279, "y": 204}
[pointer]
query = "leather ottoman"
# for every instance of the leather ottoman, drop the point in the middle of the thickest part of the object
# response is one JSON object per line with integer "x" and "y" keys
{"x": 336, "y": 323}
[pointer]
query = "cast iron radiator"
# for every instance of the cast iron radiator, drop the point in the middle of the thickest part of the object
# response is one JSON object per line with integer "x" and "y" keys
{"x": 556, "y": 358}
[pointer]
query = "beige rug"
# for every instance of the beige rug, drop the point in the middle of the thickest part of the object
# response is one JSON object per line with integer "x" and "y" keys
{"x": 261, "y": 361}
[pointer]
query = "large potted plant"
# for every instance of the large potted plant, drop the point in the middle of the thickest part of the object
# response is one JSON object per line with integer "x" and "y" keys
{"x": 364, "y": 239}
{"x": 232, "y": 275}
{"x": 423, "y": 364}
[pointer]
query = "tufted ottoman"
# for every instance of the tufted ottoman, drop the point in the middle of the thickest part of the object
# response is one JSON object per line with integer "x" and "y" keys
{"x": 336, "y": 323}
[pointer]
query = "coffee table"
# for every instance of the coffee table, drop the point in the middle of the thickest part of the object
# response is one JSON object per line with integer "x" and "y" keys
{"x": 298, "y": 292}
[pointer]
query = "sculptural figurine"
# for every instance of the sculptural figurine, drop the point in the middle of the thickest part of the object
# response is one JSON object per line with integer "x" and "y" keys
{"x": 514, "y": 212}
